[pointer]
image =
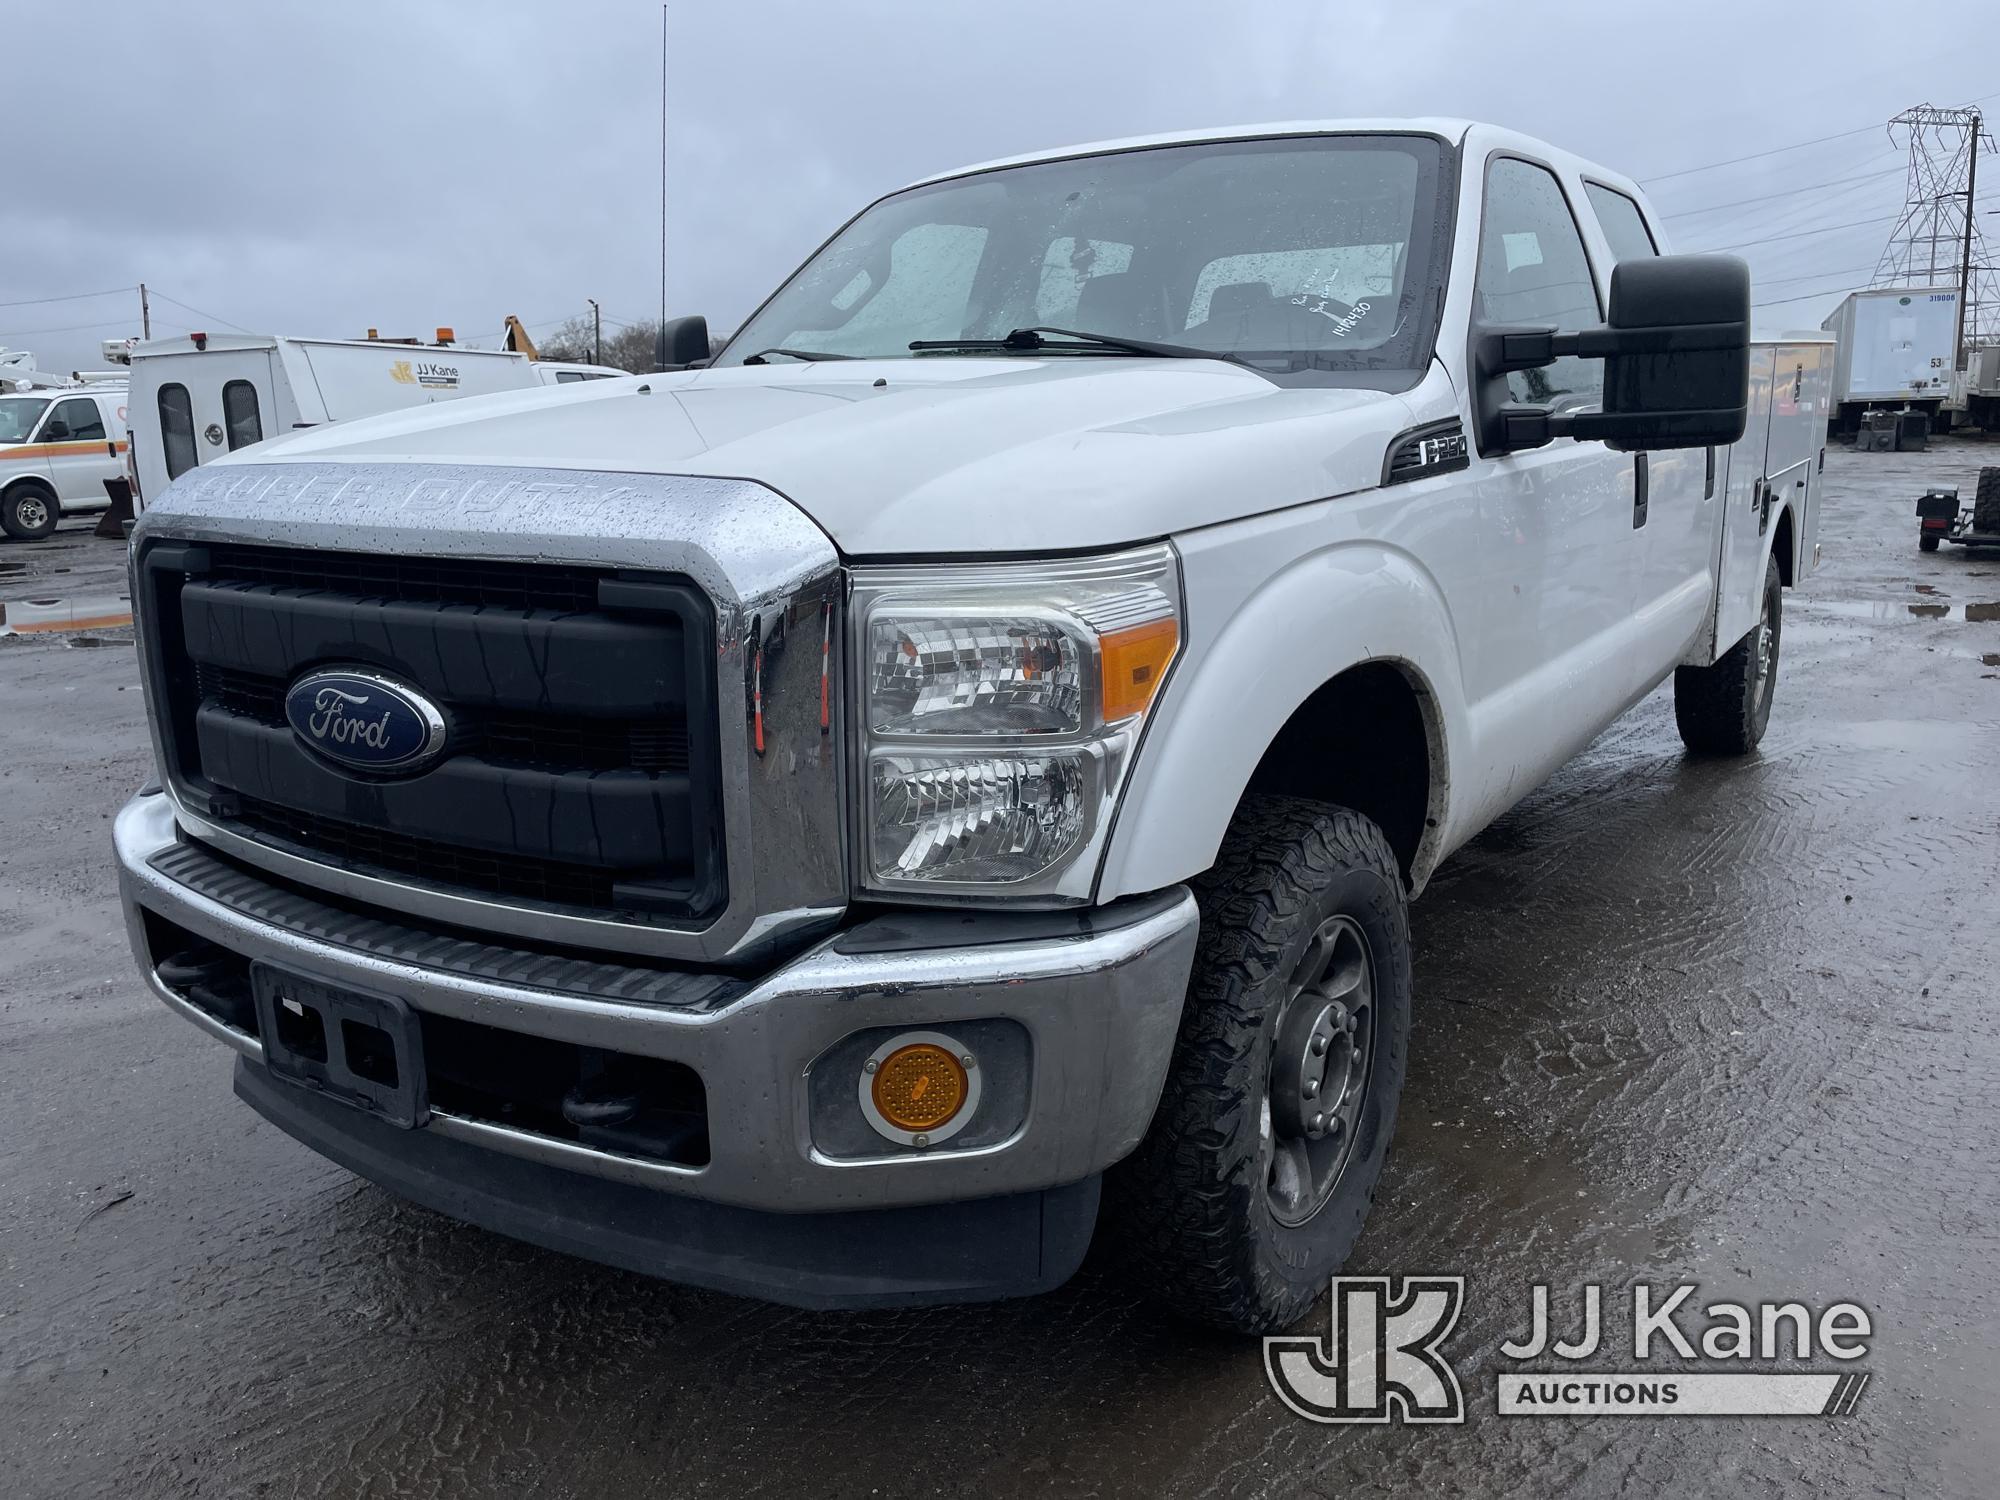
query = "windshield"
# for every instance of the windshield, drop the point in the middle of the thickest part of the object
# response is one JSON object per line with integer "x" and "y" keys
{"x": 1300, "y": 256}
{"x": 18, "y": 415}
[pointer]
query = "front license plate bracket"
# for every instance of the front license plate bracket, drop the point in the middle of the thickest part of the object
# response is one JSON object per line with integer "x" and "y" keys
{"x": 359, "y": 1047}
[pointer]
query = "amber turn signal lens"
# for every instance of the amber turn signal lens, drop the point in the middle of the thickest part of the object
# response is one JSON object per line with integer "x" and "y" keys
{"x": 919, "y": 1087}
{"x": 1135, "y": 663}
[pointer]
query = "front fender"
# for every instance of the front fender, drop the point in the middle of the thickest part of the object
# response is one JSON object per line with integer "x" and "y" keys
{"x": 1258, "y": 647}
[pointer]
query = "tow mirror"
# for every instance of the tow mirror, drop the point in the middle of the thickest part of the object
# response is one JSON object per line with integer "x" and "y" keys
{"x": 682, "y": 342}
{"x": 1676, "y": 354}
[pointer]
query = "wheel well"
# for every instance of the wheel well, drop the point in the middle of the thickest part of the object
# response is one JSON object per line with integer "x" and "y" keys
{"x": 1781, "y": 547}
{"x": 1362, "y": 740}
{"x": 30, "y": 482}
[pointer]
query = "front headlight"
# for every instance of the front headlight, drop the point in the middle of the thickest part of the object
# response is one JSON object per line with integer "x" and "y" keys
{"x": 1000, "y": 705}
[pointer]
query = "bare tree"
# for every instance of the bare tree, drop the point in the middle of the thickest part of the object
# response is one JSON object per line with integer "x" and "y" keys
{"x": 631, "y": 347}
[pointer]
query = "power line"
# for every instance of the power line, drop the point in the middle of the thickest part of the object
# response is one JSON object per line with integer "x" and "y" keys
{"x": 116, "y": 291}
{"x": 1819, "y": 140}
{"x": 1763, "y": 281}
{"x": 1802, "y": 233}
{"x": 1818, "y": 291}
{"x": 1688, "y": 213}
{"x": 212, "y": 317}
{"x": 1760, "y": 155}
{"x": 29, "y": 333}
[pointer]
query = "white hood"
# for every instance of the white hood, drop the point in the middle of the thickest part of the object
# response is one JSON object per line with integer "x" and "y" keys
{"x": 932, "y": 456}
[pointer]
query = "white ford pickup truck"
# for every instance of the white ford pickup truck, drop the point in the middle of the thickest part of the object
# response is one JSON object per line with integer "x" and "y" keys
{"x": 849, "y": 820}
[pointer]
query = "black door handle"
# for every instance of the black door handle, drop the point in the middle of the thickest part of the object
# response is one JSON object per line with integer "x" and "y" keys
{"x": 1642, "y": 488}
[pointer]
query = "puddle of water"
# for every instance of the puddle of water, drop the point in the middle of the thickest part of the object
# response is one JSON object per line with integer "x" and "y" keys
{"x": 1884, "y": 610}
{"x": 86, "y": 612}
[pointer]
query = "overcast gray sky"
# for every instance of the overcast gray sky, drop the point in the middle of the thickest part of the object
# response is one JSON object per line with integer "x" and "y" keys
{"x": 324, "y": 169}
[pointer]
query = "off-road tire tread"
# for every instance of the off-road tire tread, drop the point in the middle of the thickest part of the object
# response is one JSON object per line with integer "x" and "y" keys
{"x": 1712, "y": 707}
{"x": 1174, "y": 1219}
{"x": 1986, "y": 503}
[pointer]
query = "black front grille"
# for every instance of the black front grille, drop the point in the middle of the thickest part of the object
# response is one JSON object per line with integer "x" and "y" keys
{"x": 580, "y": 766}
{"x": 521, "y": 738}
{"x": 412, "y": 580}
{"x": 384, "y": 851}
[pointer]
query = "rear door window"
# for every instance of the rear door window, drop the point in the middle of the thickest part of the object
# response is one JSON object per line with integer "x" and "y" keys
{"x": 1623, "y": 225}
{"x": 177, "y": 430}
{"x": 239, "y": 414}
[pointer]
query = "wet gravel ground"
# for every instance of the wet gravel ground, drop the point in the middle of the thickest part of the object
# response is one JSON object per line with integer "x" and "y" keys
{"x": 1732, "y": 1023}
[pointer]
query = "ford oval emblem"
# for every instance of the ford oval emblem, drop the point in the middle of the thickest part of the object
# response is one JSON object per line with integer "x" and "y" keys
{"x": 364, "y": 722}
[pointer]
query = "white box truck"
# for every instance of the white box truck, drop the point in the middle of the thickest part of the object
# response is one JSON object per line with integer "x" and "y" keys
{"x": 1897, "y": 348}
{"x": 827, "y": 824}
{"x": 197, "y": 397}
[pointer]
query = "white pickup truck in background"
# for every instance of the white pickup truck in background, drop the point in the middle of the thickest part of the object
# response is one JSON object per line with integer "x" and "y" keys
{"x": 827, "y": 823}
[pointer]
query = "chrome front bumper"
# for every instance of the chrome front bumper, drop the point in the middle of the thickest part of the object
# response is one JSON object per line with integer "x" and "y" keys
{"x": 1099, "y": 996}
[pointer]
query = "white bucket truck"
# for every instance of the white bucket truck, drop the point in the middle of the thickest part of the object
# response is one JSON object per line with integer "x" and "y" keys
{"x": 200, "y": 396}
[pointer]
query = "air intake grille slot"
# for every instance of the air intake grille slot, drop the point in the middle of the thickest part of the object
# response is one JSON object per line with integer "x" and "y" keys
{"x": 411, "y": 580}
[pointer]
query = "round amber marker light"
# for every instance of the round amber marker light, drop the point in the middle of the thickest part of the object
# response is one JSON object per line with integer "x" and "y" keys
{"x": 918, "y": 1087}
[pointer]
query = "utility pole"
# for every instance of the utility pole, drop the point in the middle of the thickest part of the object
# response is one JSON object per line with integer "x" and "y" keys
{"x": 145, "y": 313}
{"x": 1965, "y": 253}
{"x": 596, "y": 332}
{"x": 660, "y": 342}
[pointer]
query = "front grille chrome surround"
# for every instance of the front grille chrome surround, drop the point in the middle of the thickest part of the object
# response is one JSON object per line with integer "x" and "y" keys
{"x": 470, "y": 536}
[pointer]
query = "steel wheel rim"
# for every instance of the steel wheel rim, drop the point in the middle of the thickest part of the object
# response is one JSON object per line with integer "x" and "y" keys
{"x": 1322, "y": 1063}
{"x": 1763, "y": 647}
{"x": 32, "y": 511}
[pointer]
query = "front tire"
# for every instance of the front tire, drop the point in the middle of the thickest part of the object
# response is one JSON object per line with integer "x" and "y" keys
{"x": 1723, "y": 709}
{"x": 1251, "y": 1187}
{"x": 1927, "y": 544}
{"x": 29, "y": 512}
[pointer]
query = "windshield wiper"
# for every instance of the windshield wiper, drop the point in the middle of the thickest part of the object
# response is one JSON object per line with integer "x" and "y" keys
{"x": 763, "y": 356}
{"x": 1029, "y": 340}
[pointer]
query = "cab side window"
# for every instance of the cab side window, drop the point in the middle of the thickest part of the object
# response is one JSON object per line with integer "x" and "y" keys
{"x": 177, "y": 430}
{"x": 81, "y": 417}
{"x": 1533, "y": 272}
{"x": 1623, "y": 225}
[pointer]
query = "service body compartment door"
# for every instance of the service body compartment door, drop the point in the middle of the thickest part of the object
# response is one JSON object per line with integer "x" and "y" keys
{"x": 1740, "y": 572}
{"x": 1813, "y": 403}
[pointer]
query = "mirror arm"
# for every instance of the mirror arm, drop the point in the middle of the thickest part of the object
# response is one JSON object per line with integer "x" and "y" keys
{"x": 1502, "y": 350}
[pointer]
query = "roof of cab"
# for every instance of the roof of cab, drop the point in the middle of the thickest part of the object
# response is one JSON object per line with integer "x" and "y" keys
{"x": 1449, "y": 129}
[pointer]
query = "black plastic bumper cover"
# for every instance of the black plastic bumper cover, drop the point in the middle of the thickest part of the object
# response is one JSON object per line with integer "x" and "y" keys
{"x": 893, "y": 1257}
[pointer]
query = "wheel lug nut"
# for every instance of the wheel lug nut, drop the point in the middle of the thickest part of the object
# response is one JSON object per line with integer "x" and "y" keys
{"x": 1311, "y": 1089}
{"x": 1319, "y": 1046}
{"x": 1319, "y": 1124}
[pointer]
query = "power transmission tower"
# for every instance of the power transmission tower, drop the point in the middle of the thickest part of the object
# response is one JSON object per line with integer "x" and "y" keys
{"x": 1937, "y": 241}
